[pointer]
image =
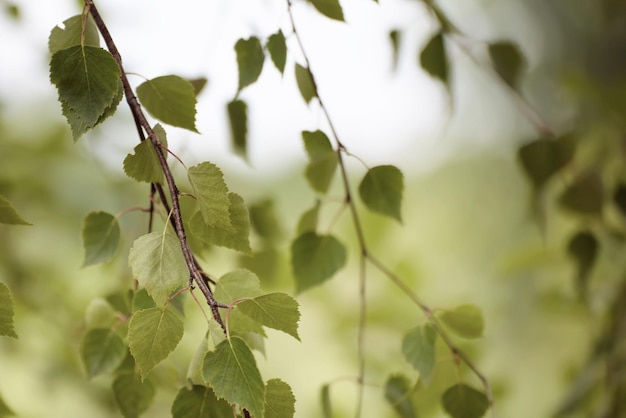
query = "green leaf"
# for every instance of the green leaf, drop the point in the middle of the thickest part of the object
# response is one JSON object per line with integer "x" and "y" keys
{"x": 200, "y": 402}
{"x": 507, "y": 61}
{"x": 329, "y": 8}
{"x": 306, "y": 85}
{"x": 381, "y": 190}
{"x": 158, "y": 264}
{"x": 250, "y": 59}
{"x": 394, "y": 38}
{"x": 212, "y": 195}
{"x": 238, "y": 118}
{"x": 275, "y": 310}
{"x": 279, "y": 400}
{"x": 264, "y": 220}
{"x": 87, "y": 79}
{"x": 239, "y": 284}
{"x": 144, "y": 165}
{"x": 71, "y": 34}
{"x": 463, "y": 401}
{"x": 277, "y": 46}
{"x": 152, "y": 335}
{"x": 619, "y": 198}
{"x": 6, "y": 312}
{"x": 5, "y": 411}
{"x": 434, "y": 59}
{"x": 323, "y": 160}
{"x": 315, "y": 259}
{"x": 543, "y": 158}
{"x": 8, "y": 214}
{"x": 465, "y": 320}
{"x": 102, "y": 351}
{"x": 101, "y": 237}
{"x": 198, "y": 84}
{"x": 398, "y": 394}
{"x": 132, "y": 395}
{"x": 142, "y": 300}
{"x": 171, "y": 99}
{"x": 585, "y": 195}
{"x": 583, "y": 247}
{"x": 418, "y": 347}
{"x": 327, "y": 409}
{"x": 308, "y": 220}
{"x": 235, "y": 237}
{"x": 232, "y": 372}
{"x": 100, "y": 314}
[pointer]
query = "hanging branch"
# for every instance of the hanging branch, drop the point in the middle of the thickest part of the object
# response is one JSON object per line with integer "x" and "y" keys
{"x": 366, "y": 255}
{"x": 200, "y": 279}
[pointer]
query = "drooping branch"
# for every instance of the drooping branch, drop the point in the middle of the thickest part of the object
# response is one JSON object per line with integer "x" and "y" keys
{"x": 144, "y": 126}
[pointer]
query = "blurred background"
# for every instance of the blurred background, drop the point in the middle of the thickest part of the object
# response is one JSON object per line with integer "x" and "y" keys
{"x": 541, "y": 255}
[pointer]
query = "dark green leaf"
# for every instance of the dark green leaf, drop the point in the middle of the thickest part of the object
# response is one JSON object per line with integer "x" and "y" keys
{"x": 198, "y": 84}
{"x": 306, "y": 85}
{"x": 543, "y": 158}
{"x": 381, "y": 190}
{"x": 308, "y": 220}
{"x": 5, "y": 411}
{"x": 238, "y": 118}
{"x": 250, "y": 59}
{"x": 152, "y": 335}
{"x": 236, "y": 237}
{"x": 101, "y": 237}
{"x": 619, "y": 198}
{"x": 462, "y": 401}
{"x": 323, "y": 160}
{"x": 200, "y": 402}
{"x": 132, "y": 396}
{"x": 275, "y": 310}
{"x": 144, "y": 165}
{"x": 264, "y": 220}
{"x": 277, "y": 46}
{"x": 418, "y": 347}
{"x": 329, "y": 8}
{"x": 583, "y": 247}
{"x": 585, "y": 195}
{"x": 465, "y": 320}
{"x": 394, "y": 37}
{"x": 434, "y": 59}
{"x": 72, "y": 34}
{"x": 8, "y": 214}
{"x": 158, "y": 264}
{"x": 142, "y": 300}
{"x": 87, "y": 79}
{"x": 398, "y": 394}
{"x": 171, "y": 99}
{"x": 279, "y": 400}
{"x": 327, "y": 409}
{"x": 232, "y": 372}
{"x": 6, "y": 312}
{"x": 102, "y": 351}
{"x": 315, "y": 259}
{"x": 507, "y": 61}
{"x": 212, "y": 195}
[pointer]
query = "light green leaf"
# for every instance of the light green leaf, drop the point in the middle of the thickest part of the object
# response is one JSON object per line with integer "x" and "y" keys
{"x": 8, "y": 214}
{"x": 381, "y": 190}
{"x": 327, "y": 410}
{"x": 323, "y": 160}
{"x": 5, "y": 411}
{"x": 100, "y": 314}
{"x": 264, "y": 219}
{"x": 101, "y": 237}
{"x": 277, "y": 46}
{"x": 144, "y": 165}
{"x": 465, "y": 320}
{"x": 434, "y": 60}
{"x": 236, "y": 237}
{"x": 232, "y": 372}
{"x": 418, "y": 347}
{"x": 308, "y": 220}
{"x": 132, "y": 395}
{"x": 102, "y": 351}
{"x": 71, "y": 34}
{"x": 279, "y": 400}
{"x": 398, "y": 394}
{"x": 171, "y": 99}
{"x": 152, "y": 335}
{"x": 463, "y": 401}
{"x": 306, "y": 85}
{"x": 329, "y": 8}
{"x": 250, "y": 59}
{"x": 275, "y": 310}
{"x": 212, "y": 194}
{"x": 507, "y": 61}
{"x": 200, "y": 402}
{"x": 239, "y": 284}
{"x": 157, "y": 263}
{"x": 238, "y": 118}
{"x": 6, "y": 312}
{"x": 142, "y": 300}
{"x": 315, "y": 259}
{"x": 87, "y": 79}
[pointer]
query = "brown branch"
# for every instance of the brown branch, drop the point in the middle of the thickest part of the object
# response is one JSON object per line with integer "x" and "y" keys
{"x": 143, "y": 125}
